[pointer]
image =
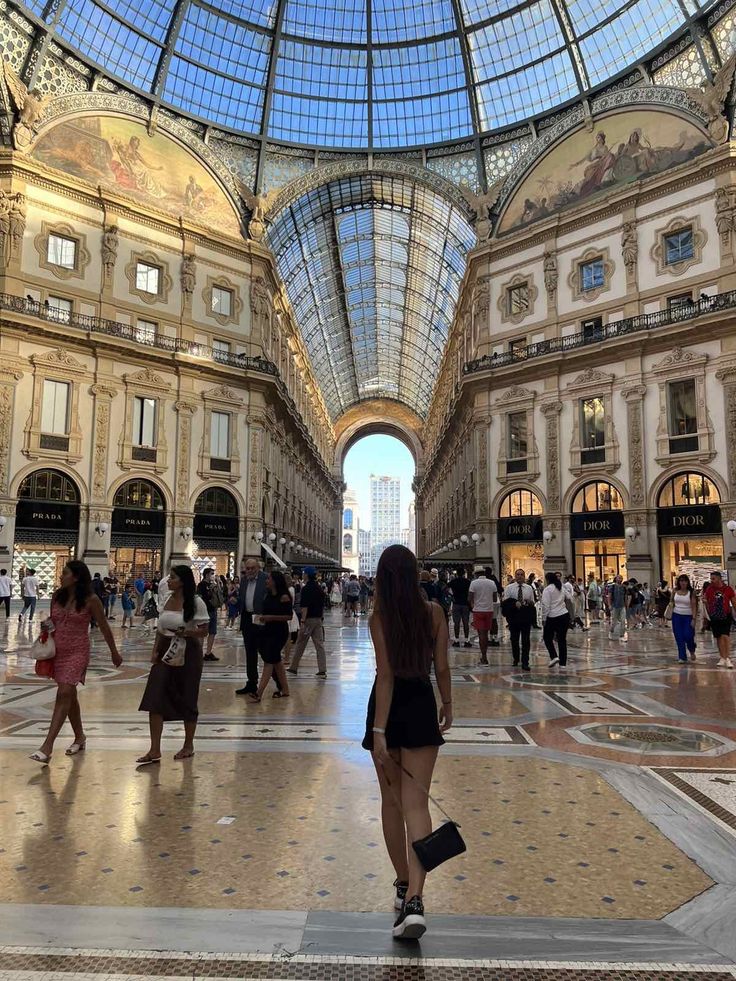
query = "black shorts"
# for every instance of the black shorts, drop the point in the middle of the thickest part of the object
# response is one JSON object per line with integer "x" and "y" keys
{"x": 721, "y": 627}
{"x": 412, "y": 718}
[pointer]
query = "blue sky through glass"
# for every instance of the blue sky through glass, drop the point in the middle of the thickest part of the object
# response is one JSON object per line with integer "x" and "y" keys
{"x": 380, "y": 455}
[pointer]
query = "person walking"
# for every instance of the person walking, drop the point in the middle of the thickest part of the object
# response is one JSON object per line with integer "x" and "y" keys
{"x": 719, "y": 604}
{"x": 555, "y": 619}
{"x": 595, "y": 599}
{"x": 172, "y": 693}
{"x": 6, "y": 591}
{"x": 352, "y": 591}
{"x": 127, "y": 604}
{"x": 617, "y": 601}
{"x": 209, "y": 590}
{"x": 460, "y": 587}
{"x": 482, "y": 594}
{"x": 312, "y": 624}
{"x": 29, "y": 590}
{"x": 684, "y": 610}
{"x": 403, "y": 727}
{"x": 662, "y": 599}
{"x": 233, "y": 603}
{"x": 252, "y": 594}
{"x": 73, "y": 607}
{"x": 276, "y": 612}
{"x": 518, "y": 608}
{"x": 140, "y": 589}
{"x": 577, "y": 597}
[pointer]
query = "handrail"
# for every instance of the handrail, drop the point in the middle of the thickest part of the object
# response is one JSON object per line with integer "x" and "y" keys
{"x": 129, "y": 332}
{"x": 618, "y": 328}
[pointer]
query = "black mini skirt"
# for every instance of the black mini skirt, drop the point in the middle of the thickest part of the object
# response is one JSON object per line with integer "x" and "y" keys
{"x": 412, "y": 718}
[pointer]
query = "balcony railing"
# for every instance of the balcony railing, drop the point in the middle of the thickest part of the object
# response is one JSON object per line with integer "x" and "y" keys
{"x": 618, "y": 328}
{"x": 126, "y": 332}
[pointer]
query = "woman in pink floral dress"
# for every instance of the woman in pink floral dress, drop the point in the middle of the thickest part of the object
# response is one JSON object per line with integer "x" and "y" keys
{"x": 73, "y": 607}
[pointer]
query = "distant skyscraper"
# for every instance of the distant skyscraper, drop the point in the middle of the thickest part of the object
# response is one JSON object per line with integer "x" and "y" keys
{"x": 385, "y": 514}
{"x": 364, "y": 548}
{"x": 350, "y": 531}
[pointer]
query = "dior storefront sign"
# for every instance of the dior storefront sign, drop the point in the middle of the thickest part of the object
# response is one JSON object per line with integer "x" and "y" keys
{"x": 597, "y": 524}
{"x": 704, "y": 519}
{"x": 526, "y": 528}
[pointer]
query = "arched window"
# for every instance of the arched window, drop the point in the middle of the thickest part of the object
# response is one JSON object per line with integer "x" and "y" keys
{"x": 518, "y": 503}
{"x": 597, "y": 496}
{"x": 685, "y": 489}
{"x": 49, "y": 485}
{"x": 347, "y": 543}
{"x": 139, "y": 494}
{"x": 347, "y": 518}
{"x": 215, "y": 500}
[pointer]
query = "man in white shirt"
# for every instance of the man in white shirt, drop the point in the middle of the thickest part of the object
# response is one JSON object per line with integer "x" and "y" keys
{"x": 518, "y": 607}
{"x": 30, "y": 595}
{"x": 481, "y": 597}
{"x": 6, "y": 591}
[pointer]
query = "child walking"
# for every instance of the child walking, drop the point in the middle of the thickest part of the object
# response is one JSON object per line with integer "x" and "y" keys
{"x": 127, "y": 602}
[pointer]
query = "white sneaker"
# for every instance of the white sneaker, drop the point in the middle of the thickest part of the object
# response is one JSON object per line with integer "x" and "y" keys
{"x": 725, "y": 663}
{"x": 553, "y": 661}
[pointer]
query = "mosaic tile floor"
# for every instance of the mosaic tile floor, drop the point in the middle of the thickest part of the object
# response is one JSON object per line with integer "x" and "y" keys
{"x": 604, "y": 793}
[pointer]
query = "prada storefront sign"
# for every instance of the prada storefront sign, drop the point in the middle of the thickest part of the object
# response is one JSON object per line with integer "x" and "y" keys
{"x": 597, "y": 524}
{"x": 216, "y": 526}
{"x": 46, "y": 514}
{"x": 527, "y": 528}
{"x": 703, "y": 519}
{"x": 134, "y": 521}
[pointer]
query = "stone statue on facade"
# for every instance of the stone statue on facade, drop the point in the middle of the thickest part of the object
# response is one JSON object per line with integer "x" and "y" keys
{"x": 725, "y": 214}
{"x": 629, "y": 245}
{"x": 260, "y": 304}
{"x": 481, "y": 205}
{"x": 5, "y": 207}
{"x": 711, "y": 97}
{"x": 29, "y": 107}
{"x": 258, "y": 205}
{"x": 550, "y": 273}
{"x": 188, "y": 275}
{"x": 17, "y": 222}
{"x": 109, "y": 249}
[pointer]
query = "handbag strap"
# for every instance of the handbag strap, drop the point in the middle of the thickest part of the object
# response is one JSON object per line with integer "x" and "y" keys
{"x": 421, "y": 787}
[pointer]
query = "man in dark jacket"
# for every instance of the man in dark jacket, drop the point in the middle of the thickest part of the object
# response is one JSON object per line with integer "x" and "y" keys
{"x": 252, "y": 594}
{"x": 312, "y": 623}
{"x": 208, "y": 590}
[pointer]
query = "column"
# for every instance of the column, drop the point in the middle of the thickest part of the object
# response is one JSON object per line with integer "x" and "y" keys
{"x": 727, "y": 377}
{"x": 9, "y": 379}
{"x": 644, "y": 544}
{"x": 485, "y": 526}
{"x": 253, "y": 520}
{"x": 182, "y": 517}
{"x": 97, "y": 542}
{"x": 555, "y": 551}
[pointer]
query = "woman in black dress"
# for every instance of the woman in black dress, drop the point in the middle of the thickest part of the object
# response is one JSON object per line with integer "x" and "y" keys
{"x": 277, "y": 611}
{"x": 403, "y": 728}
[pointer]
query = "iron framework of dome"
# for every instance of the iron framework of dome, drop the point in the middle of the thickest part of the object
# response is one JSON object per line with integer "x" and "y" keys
{"x": 369, "y": 74}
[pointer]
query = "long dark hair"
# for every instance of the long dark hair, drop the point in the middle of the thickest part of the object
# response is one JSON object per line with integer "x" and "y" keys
{"x": 82, "y": 586}
{"x": 405, "y": 618}
{"x": 188, "y": 590}
{"x": 553, "y": 580}
{"x": 687, "y": 580}
{"x": 279, "y": 581}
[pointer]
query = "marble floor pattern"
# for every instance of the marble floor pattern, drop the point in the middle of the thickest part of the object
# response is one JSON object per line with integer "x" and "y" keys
{"x": 598, "y": 806}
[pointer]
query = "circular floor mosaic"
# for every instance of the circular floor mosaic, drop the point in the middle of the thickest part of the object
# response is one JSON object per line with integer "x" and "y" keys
{"x": 650, "y": 738}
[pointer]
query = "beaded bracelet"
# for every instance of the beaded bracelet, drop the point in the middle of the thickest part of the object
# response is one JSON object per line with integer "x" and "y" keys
{"x": 382, "y": 731}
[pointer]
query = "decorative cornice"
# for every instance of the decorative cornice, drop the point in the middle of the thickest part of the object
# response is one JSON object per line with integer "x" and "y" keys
{"x": 146, "y": 377}
{"x": 679, "y": 357}
{"x": 58, "y": 359}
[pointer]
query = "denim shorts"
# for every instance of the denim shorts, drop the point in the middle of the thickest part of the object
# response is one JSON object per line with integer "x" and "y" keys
{"x": 213, "y": 624}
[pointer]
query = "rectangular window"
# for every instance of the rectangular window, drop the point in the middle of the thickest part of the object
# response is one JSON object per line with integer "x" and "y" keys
{"x": 683, "y": 417}
{"x": 679, "y": 246}
{"x": 147, "y": 278}
{"x": 592, "y": 431}
{"x": 517, "y": 299}
{"x": 592, "y": 275}
{"x": 145, "y": 331}
{"x": 681, "y": 301}
{"x": 220, "y": 435}
{"x": 59, "y": 309}
{"x": 220, "y": 350}
{"x": 55, "y": 408}
{"x": 144, "y": 421}
{"x": 517, "y": 442}
{"x": 592, "y": 329}
{"x": 222, "y": 301}
{"x": 61, "y": 251}
{"x": 517, "y": 348}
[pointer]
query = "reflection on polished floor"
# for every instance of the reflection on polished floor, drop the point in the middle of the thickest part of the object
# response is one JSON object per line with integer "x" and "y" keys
{"x": 599, "y": 810}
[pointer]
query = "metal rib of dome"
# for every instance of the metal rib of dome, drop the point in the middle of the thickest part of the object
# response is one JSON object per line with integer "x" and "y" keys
{"x": 365, "y": 74}
{"x": 373, "y": 266}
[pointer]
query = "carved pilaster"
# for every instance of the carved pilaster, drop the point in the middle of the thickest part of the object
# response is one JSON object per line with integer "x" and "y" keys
{"x": 634, "y": 423}
{"x": 103, "y": 397}
{"x": 183, "y": 453}
{"x": 8, "y": 381}
{"x": 255, "y": 468}
{"x": 630, "y": 252}
{"x": 481, "y": 455}
{"x": 551, "y": 412}
{"x": 727, "y": 377}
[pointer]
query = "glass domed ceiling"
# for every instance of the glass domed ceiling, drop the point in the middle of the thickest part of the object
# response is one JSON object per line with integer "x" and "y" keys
{"x": 365, "y": 73}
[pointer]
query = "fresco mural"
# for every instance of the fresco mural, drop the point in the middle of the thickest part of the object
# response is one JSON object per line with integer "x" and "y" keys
{"x": 118, "y": 154}
{"x": 623, "y": 147}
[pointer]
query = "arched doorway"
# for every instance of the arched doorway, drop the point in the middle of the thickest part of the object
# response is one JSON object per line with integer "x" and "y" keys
{"x": 689, "y": 527}
{"x": 216, "y": 531}
{"x": 519, "y": 532}
{"x": 597, "y": 531}
{"x": 46, "y": 525}
{"x": 138, "y": 529}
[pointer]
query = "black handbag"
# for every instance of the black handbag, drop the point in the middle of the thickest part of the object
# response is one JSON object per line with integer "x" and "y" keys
{"x": 440, "y": 845}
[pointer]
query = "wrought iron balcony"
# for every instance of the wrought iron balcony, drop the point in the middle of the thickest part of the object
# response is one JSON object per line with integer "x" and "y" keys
{"x": 130, "y": 332}
{"x": 618, "y": 328}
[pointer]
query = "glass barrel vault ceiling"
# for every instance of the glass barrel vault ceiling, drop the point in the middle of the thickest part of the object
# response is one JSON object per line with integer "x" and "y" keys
{"x": 365, "y": 73}
{"x": 372, "y": 266}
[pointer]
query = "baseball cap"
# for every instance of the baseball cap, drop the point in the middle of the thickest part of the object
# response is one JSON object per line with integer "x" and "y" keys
{"x": 309, "y": 570}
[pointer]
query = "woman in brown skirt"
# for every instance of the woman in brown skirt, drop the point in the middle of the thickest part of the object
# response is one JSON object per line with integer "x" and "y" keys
{"x": 172, "y": 693}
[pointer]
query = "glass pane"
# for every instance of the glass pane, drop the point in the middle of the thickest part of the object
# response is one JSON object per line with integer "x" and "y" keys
{"x": 146, "y": 278}
{"x": 222, "y": 300}
{"x": 59, "y": 309}
{"x": 683, "y": 410}
{"x": 55, "y": 408}
{"x": 517, "y": 424}
{"x": 592, "y": 424}
{"x": 220, "y": 435}
{"x": 679, "y": 246}
{"x": 145, "y": 331}
{"x": 592, "y": 275}
{"x": 61, "y": 251}
{"x": 144, "y": 420}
